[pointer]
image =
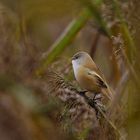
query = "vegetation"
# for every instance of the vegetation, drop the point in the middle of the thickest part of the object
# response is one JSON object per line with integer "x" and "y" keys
{"x": 40, "y": 98}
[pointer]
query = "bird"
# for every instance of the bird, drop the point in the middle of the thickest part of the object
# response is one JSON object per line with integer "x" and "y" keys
{"x": 88, "y": 75}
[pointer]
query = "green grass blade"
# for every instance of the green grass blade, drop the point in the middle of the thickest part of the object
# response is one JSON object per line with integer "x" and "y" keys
{"x": 94, "y": 9}
{"x": 63, "y": 41}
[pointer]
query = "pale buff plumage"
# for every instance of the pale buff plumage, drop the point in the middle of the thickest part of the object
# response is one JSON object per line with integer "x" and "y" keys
{"x": 88, "y": 74}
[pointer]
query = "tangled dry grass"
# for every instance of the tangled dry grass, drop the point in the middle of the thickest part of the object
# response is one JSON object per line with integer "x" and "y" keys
{"x": 85, "y": 113}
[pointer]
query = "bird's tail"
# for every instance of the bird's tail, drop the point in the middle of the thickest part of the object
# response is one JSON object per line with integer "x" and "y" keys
{"x": 108, "y": 93}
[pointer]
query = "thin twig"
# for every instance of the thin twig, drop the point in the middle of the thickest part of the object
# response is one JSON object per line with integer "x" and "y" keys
{"x": 110, "y": 123}
{"x": 119, "y": 88}
{"x": 98, "y": 109}
{"x": 131, "y": 69}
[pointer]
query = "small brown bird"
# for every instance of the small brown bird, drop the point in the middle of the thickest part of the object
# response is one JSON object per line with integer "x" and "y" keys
{"x": 88, "y": 74}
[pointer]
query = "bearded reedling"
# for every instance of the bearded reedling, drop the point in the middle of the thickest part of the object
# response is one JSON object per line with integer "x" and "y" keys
{"x": 88, "y": 75}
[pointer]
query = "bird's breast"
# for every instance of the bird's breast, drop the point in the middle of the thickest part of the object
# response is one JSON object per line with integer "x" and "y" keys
{"x": 85, "y": 80}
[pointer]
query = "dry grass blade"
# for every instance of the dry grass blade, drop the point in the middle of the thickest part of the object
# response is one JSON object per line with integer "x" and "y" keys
{"x": 130, "y": 45}
{"x": 119, "y": 89}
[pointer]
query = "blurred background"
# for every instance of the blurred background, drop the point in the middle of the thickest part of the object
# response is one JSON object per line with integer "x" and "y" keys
{"x": 39, "y": 34}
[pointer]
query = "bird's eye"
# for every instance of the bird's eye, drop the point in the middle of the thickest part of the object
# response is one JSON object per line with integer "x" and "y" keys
{"x": 75, "y": 57}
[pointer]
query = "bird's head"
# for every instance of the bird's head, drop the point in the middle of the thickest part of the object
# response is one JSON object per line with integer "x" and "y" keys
{"x": 81, "y": 58}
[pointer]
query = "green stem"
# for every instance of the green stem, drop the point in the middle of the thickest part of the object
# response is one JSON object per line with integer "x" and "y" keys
{"x": 62, "y": 42}
{"x": 94, "y": 10}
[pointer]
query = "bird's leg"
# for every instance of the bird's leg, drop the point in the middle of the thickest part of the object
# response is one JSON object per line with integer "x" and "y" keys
{"x": 93, "y": 102}
{"x": 95, "y": 98}
{"x": 97, "y": 103}
{"x": 82, "y": 93}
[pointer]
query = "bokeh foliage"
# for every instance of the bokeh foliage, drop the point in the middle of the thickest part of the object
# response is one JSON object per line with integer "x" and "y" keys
{"x": 38, "y": 34}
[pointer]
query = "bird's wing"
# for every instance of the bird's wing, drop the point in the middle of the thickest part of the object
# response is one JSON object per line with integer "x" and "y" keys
{"x": 100, "y": 82}
{"x": 98, "y": 78}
